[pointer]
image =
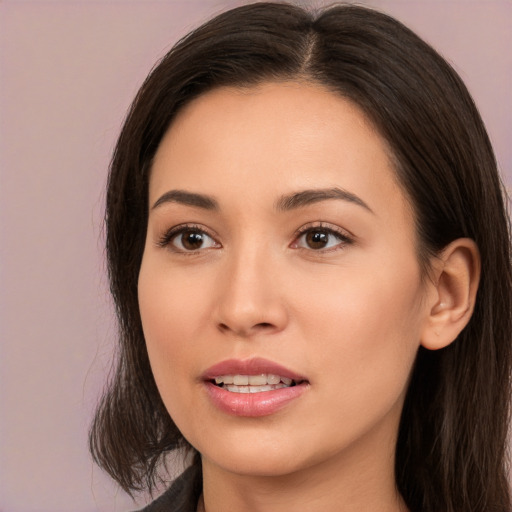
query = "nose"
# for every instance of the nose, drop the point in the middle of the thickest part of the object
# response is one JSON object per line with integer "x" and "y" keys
{"x": 250, "y": 300}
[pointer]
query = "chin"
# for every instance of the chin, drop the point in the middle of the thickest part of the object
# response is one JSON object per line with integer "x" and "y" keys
{"x": 257, "y": 465}
{"x": 257, "y": 456}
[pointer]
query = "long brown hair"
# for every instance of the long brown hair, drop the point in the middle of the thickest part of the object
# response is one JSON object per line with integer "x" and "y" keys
{"x": 451, "y": 449}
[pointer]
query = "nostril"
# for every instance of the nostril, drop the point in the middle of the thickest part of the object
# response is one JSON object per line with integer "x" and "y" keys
{"x": 223, "y": 327}
{"x": 263, "y": 325}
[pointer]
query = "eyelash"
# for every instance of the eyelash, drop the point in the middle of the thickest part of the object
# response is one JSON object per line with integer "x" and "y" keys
{"x": 173, "y": 233}
{"x": 342, "y": 236}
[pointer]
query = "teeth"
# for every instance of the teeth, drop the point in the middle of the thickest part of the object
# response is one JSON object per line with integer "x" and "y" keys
{"x": 252, "y": 383}
{"x": 259, "y": 389}
{"x": 273, "y": 379}
{"x": 240, "y": 380}
{"x": 258, "y": 380}
{"x": 226, "y": 379}
{"x": 253, "y": 389}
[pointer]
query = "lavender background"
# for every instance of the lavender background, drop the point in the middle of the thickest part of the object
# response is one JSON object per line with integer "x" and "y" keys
{"x": 68, "y": 71}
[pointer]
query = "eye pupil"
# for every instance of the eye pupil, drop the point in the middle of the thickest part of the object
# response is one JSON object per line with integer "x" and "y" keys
{"x": 317, "y": 239}
{"x": 192, "y": 240}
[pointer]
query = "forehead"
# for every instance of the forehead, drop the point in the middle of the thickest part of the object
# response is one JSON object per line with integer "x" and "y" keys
{"x": 273, "y": 138}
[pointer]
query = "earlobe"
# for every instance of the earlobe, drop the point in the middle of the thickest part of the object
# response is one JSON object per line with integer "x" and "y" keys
{"x": 453, "y": 293}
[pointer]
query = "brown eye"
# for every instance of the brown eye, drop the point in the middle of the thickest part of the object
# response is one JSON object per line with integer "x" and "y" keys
{"x": 189, "y": 240}
{"x": 320, "y": 238}
{"x": 317, "y": 239}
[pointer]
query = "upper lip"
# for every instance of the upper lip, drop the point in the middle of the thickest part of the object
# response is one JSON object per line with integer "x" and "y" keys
{"x": 254, "y": 366}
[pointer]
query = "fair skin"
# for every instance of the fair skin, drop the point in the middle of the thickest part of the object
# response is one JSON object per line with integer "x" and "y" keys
{"x": 326, "y": 285}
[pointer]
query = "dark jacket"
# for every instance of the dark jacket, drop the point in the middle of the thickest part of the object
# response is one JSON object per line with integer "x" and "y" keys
{"x": 183, "y": 494}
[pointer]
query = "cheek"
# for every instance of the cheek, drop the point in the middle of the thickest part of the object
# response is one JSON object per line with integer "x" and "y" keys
{"x": 367, "y": 327}
{"x": 172, "y": 302}
{"x": 170, "y": 313}
{"x": 359, "y": 298}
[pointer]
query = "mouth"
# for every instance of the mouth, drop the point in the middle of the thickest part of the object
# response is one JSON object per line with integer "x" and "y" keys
{"x": 260, "y": 383}
{"x": 252, "y": 387}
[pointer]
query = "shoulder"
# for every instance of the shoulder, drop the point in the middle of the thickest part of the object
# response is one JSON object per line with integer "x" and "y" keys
{"x": 182, "y": 496}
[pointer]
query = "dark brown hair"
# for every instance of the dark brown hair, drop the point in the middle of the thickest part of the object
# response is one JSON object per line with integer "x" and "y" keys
{"x": 451, "y": 450}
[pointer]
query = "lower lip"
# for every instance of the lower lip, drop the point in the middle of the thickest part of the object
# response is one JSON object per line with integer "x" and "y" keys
{"x": 253, "y": 404}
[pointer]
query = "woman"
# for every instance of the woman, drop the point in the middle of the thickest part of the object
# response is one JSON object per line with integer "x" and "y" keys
{"x": 309, "y": 253}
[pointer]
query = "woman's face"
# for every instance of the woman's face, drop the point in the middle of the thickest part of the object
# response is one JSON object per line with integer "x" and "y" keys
{"x": 280, "y": 247}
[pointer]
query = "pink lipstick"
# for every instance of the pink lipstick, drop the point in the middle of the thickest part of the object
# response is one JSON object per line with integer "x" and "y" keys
{"x": 252, "y": 387}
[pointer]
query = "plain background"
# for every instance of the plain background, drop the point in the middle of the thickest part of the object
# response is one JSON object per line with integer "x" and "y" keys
{"x": 68, "y": 71}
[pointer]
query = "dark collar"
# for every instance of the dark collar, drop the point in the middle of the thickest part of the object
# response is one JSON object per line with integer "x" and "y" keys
{"x": 183, "y": 494}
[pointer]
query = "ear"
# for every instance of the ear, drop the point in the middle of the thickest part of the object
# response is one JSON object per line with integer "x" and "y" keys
{"x": 452, "y": 293}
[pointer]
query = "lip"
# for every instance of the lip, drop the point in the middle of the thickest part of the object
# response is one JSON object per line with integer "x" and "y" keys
{"x": 252, "y": 404}
{"x": 254, "y": 366}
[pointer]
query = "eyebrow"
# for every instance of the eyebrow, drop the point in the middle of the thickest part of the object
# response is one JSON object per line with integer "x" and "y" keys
{"x": 187, "y": 198}
{"x": 284, "y": 203}
{"x": 307, "y": 197}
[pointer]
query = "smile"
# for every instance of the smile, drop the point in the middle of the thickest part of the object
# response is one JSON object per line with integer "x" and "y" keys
{"x": 252, "y": 387}
{"x": 253, "y": 383}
